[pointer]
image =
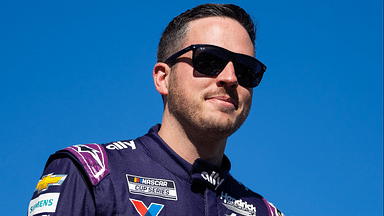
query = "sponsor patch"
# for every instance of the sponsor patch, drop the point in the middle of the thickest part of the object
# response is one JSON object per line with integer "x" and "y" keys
{"x": 49, "y": 180}
{"x": 161, "y": 188}
{"x": 214, "y": 178}
{"x": 153, "y": 209}
{"x": 45, "y": 203}
{"x": 121, "y": 145}
{"x": 239, "y": 206}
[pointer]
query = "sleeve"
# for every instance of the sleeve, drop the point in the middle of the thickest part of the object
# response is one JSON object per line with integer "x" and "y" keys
{"x": 62, "y": 190}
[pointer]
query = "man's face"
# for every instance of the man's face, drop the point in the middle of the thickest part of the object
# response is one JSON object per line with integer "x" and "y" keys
{"x": 214, "y": 104}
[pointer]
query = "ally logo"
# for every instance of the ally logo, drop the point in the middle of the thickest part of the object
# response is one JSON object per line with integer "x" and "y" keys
{"x": 153, "y": 209}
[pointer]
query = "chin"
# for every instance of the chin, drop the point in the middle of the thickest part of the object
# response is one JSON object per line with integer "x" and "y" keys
{"x": 219, "y": 125}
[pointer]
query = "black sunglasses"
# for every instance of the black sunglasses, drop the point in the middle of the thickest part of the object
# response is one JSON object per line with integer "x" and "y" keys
{"x": 211, "y": 60}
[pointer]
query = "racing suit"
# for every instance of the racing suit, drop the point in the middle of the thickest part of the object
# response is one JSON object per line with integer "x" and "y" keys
{"x": 140, "y": 177}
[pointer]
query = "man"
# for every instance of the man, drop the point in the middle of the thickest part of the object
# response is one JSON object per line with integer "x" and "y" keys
{"x": 205, "y": 72}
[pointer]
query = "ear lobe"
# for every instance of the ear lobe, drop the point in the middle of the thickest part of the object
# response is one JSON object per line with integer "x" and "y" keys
{"x": 160, "y": 77}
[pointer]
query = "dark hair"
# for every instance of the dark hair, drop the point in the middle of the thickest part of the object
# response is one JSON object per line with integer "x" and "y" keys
{"x": 174, "y": 34}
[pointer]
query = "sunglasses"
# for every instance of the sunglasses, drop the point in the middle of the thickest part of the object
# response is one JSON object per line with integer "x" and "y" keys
{"x": 211, "y": 60}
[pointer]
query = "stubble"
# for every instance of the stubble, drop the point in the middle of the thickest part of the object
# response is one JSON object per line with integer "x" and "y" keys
{"x": 192, "y": 113}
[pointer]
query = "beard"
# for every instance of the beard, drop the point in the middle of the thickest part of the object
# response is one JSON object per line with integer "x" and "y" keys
{"x": 196, "y": 119}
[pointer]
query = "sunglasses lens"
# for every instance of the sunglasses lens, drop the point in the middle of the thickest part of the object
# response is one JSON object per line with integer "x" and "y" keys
{"x": 209, "y": 60}
{"x": 248, "y": 70}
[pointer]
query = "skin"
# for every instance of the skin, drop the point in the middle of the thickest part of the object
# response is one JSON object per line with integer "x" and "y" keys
{"x": 201, "y": 111}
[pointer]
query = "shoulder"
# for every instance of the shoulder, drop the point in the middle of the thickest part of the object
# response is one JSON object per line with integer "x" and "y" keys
{"x": 243, "y": 191}
{"x": 93, "y": 158}
{"x": 54, "y": 193}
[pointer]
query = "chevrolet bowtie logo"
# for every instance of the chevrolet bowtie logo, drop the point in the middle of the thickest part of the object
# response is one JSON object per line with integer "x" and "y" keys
{"x": 49, "y": 180}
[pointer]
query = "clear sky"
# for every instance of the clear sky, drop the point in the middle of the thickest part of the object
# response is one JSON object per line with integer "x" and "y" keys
{"x": 77, "y": 72}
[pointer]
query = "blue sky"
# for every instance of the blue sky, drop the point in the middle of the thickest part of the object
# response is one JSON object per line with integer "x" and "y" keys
{"x": 80, "y": 72}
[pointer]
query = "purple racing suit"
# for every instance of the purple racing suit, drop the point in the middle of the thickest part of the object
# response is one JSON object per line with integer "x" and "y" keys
{"x": 140, "y": 177}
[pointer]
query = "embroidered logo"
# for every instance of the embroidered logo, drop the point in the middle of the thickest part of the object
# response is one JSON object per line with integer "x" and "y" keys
{"x": 153, "y": 209}
{"x": 161, "y": 188}
{"x": 214, "y": 178}
{"x": 43, "y": 204}
{"x": 49, "y": 180}
{"x": 239, "y": 206}
{"x": 121, "y": 145}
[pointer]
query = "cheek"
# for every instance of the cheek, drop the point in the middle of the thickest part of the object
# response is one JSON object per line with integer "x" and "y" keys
{"x": 247, "y": 98}
{"x": 184, "y": 85}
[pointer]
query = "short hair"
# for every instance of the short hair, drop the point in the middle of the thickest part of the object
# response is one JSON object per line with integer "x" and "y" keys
{"x": 174, "y": 34}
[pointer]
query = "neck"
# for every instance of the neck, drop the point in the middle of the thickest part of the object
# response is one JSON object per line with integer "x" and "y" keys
{"x": 191, "y": 144}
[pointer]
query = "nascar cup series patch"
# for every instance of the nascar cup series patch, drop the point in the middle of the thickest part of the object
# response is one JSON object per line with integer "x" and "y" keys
{"x": 161, "y": 188}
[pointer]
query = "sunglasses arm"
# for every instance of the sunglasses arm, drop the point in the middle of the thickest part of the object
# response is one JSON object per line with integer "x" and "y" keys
{"x": 181, "y": 52}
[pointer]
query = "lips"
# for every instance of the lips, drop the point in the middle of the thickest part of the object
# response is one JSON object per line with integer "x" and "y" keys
{"x": 224, "y": 99}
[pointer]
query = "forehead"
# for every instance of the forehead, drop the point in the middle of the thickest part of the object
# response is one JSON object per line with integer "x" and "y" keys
{"x": 220, "y": 31}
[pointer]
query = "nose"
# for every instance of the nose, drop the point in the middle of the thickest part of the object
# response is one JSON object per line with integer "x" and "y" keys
{"x": 227, "y": 78}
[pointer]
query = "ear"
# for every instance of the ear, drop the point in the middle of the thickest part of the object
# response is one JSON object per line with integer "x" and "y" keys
{"x": 160, "y": 77}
